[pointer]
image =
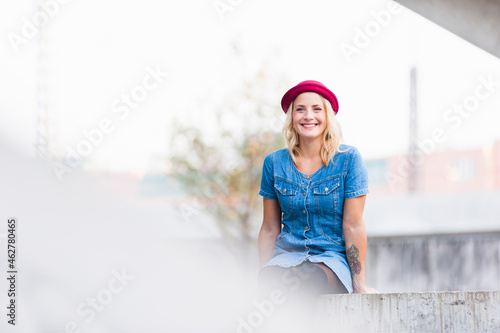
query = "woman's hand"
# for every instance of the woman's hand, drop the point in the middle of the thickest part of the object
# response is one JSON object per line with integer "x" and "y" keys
{"x": 365, "y": 290}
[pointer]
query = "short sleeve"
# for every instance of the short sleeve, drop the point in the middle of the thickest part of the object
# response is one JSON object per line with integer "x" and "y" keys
{"x": 267, "y": 180}
{"x": 356, "y": 182}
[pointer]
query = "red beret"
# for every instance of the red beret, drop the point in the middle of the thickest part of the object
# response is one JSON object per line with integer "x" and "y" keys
{"x": 309, "y": 86}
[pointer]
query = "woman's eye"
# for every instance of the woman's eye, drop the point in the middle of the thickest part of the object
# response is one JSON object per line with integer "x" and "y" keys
{"x": 317, "y": 109}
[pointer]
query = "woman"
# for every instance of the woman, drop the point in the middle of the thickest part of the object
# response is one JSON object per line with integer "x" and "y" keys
{"x": 316, "y": 188}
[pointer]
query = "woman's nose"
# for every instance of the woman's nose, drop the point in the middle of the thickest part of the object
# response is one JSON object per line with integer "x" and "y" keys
{"x": 308, "y": 114}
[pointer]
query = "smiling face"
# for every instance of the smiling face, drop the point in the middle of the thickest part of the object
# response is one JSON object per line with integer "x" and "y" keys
{"x": 309, "y": 115}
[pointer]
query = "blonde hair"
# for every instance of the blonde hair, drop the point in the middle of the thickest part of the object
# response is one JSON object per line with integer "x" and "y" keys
{"x": 332, "y": 136}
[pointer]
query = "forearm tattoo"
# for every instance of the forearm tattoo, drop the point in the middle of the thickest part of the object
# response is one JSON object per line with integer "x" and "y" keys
{"x": 353, "y": 260}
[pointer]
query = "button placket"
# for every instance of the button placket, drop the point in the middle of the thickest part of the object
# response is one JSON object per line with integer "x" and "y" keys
{"x": 305, "y": 200}
{"x": 306, "y": 204}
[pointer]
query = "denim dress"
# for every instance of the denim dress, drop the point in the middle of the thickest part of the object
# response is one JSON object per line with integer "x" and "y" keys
{"x": 312, "y": 208}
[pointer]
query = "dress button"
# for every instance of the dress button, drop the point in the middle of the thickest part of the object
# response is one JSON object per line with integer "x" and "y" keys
{"x": 303, "y": 194}
{"x": 306, "y": 227}
{"x": 326, "y": 189}
{"x": 304, "y": 211}
{"x": 284, "y": 190}
{"x": 307, "y": 248}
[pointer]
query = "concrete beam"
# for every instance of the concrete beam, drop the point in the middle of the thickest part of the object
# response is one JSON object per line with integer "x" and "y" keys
{"x": 475, "y": 21}
{"x": 453, "y": 262}
{"x": 473, "y": 311}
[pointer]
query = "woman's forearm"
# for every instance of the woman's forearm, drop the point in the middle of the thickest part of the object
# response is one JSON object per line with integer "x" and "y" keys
{"x": 266, "y": 243}
{"x": 355, "y": 244}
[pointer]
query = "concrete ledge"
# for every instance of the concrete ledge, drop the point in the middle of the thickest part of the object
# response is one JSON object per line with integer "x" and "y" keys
{"x": 472, "y": 311}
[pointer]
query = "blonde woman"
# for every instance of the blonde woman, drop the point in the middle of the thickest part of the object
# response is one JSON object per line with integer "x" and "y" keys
{"x": 313, "y": 237}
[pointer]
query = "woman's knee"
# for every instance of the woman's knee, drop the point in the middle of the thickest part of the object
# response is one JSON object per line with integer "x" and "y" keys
{"x": 315, "y": 280}
{"x": 328, "y": 281}
{"x": 273, "y": 277}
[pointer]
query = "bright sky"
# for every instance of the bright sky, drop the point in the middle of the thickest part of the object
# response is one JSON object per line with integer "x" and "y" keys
{"x": 97, "y": 51}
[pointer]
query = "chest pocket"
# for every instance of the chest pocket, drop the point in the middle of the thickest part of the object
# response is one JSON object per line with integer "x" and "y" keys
{"x": 286, "y": 192}
{"x": 326, "y": 195}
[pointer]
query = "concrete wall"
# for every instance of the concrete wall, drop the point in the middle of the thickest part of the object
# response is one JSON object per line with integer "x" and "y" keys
{"x": 455, "y": 262}
{"x": 410, "y": 312}
{"x": 475, "y": 21}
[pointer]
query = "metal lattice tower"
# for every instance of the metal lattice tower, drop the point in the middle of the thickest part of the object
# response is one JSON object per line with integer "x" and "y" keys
{"x": 44, "y": 143}
{"x": 412, "y": 156}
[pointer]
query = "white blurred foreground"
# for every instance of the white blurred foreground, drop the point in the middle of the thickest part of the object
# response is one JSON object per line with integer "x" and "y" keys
{"x": 91, "y": 263}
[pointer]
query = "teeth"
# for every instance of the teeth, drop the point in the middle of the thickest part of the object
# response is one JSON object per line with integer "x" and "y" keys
{"x": 308, "y": 125}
